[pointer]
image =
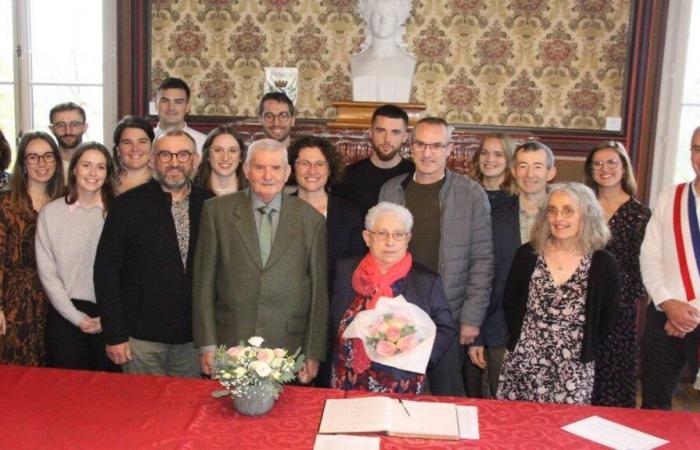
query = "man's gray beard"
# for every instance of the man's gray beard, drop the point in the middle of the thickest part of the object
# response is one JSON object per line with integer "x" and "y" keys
{"x": 171, "y": 185}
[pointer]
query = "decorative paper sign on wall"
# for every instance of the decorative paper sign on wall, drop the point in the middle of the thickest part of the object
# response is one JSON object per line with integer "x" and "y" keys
{"x": 282, "y": 79}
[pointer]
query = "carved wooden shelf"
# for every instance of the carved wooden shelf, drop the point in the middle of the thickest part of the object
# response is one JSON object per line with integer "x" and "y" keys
{"x": 358, "y": 115}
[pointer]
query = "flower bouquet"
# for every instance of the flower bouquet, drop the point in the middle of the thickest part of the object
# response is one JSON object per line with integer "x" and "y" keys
{"x": 395, "y": 333}
{"x": 253, "y": 375}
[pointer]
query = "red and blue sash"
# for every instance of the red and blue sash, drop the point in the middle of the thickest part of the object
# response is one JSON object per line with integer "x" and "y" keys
{"x": 687, "y": 238}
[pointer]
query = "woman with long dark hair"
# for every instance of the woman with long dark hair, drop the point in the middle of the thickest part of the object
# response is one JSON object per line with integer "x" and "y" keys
{"x": 609, "y": 173}
{"x": 68, "y": 231}
{"x": 37, "y": 179}
{"x": 221, "y": 168}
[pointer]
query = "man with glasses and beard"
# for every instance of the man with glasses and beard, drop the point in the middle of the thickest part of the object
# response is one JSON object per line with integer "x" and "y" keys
{"x": 365, "y": 178}
{"x": 143, "y": 266}
{"x": 68, "y": 124}
{"x": 277, "y": 117}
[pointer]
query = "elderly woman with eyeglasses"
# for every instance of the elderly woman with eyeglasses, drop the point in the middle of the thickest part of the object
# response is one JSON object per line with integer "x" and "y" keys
{"x": 387, "y": 270}
{"x": 609, "y": 173}
{"x": 560, "y": 301}
{"x": 36, "y": 180}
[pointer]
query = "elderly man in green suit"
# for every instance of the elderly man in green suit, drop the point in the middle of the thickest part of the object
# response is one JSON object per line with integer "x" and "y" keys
{"x": 260, "y": 266}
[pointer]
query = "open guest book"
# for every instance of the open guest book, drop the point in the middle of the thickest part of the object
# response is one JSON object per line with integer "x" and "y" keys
{"x": 406, "y": 418}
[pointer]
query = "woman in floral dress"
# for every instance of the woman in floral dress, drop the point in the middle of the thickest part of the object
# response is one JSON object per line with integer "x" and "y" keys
{"x": 608, "y": 172}
{"x": 37, "y": 179}
{"x": 560, "y": 301}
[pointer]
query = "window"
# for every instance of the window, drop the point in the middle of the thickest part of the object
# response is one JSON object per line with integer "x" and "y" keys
{"x": 690, "y": 100}
{"x": 53, "y": 52}
{"x": 7, "y": 77}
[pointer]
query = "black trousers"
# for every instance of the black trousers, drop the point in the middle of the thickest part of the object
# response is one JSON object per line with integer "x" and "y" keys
{"x": 663, "y": 360}
{"x": 445, "y": 377}
{"x": 69, "y": 348}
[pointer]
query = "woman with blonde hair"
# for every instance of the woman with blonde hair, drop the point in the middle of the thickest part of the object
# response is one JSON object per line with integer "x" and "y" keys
{"x": 609, "y": 173}
{"x": 560, "y": 301}
{"x": 491, "y": 167}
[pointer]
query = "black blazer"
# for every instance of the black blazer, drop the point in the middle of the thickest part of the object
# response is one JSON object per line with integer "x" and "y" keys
{"x": 602, "y": 298}
{"x": 142, "y": 289}
{"x": 422, "y": 287}
{"x": 505, "y": 220}
{"x": 344, "y": 229}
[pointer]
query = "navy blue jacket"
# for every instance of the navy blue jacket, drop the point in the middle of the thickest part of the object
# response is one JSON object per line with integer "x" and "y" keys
{"x": 505, "y": 220}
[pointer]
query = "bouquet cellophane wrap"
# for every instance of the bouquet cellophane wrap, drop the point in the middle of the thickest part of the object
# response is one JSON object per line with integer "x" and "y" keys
{"x": 414, "y": 359}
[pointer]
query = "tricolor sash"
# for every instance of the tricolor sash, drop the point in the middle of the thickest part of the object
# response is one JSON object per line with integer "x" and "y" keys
{"x": 686, "y": 233}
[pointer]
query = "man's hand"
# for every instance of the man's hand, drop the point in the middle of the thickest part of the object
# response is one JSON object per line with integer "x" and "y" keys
{"x": 119, "y": 353}
{"x": 672, "y": 331}
{"x": 682, "y": 315}
{"x": 308, "y": 371}
{"x": 467, "y": 334}
{"x": 476, "y": 355}
{"x": 206, "y": 362}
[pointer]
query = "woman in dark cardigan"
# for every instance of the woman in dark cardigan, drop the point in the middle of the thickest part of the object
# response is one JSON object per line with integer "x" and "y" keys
{"x": 315, "y": 167}
{"x": 560, "y": 301}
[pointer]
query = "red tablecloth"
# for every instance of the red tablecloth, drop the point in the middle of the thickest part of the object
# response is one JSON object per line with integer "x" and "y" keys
{"x": 48, "y": 408}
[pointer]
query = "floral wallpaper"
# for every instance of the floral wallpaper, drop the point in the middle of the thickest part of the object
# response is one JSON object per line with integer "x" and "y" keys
{"x": 530, "y": 63}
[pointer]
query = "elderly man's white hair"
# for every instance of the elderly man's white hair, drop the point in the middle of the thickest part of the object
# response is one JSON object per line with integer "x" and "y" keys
{"x": 269, "y": 145}
{"x": 389, "y": 209}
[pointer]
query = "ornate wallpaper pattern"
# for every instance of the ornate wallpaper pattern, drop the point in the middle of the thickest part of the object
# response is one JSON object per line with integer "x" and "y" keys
{"x": 531, "y": 63}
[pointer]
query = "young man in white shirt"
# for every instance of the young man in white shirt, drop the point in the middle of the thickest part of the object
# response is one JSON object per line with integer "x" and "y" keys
{"x": 173, "y": 104}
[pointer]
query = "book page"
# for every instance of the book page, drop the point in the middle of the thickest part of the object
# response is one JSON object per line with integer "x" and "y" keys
{"x": 468, "y": 417}
{"x": 613, "y": 434}
{"x": 345, "y": 442}
{"x": 424, "y": 419}
{"x": 356, "y": 415}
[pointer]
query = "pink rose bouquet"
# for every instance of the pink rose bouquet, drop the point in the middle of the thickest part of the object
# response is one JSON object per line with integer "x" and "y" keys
{"x": 392, "y": 334}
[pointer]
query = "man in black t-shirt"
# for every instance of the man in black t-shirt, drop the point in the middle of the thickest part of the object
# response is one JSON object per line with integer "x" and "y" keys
{"x": 365, "y": 178}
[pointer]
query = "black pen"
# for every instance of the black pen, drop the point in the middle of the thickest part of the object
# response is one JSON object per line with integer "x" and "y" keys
{"x": 404, "y": 408}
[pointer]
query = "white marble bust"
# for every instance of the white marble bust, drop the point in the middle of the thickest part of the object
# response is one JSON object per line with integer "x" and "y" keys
{"x": 383, "y": 69}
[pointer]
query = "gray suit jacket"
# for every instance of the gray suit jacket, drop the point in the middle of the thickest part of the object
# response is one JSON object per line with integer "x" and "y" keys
{"x": 235, "y": 297}
{"x": 466, "y": 247}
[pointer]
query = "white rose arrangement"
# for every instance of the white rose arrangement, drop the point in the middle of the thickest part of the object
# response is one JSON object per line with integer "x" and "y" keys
{"x": 243, "y": 366}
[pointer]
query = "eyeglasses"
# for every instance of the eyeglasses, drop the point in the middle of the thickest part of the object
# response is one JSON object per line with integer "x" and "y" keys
{"x": 435, "y": 146}
{"x": 182, "y": 156}
{"x": 306, "y": 165}
{"x": 398, "y": 236}
{"x": 33, "y": 158}
{"x": 566, "y": 212}
{"x": 64, "y": 125}
{"x": 610, "y": 164}
{"x": 283, "y": 117}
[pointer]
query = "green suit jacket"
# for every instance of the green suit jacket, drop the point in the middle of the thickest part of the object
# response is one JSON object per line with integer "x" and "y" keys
{"x": 235, "y": 297}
